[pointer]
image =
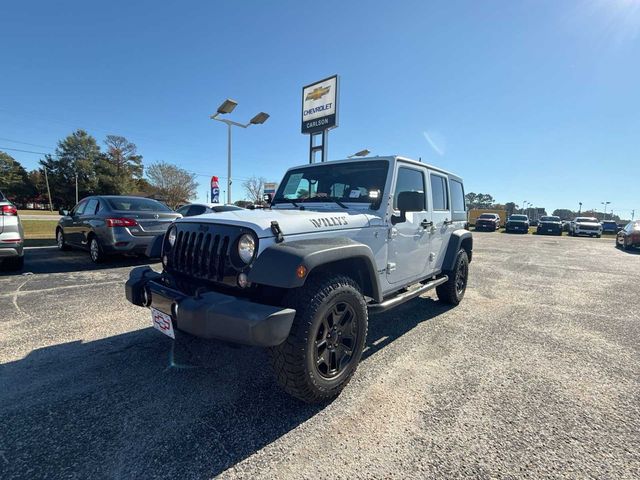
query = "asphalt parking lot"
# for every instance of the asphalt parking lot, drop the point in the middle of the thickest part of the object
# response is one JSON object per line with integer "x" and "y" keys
{"x": 536, "y": 374}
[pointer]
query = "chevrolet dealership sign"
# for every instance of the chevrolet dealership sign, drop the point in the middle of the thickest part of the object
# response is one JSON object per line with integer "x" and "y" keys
{"x": 320, "y": 105}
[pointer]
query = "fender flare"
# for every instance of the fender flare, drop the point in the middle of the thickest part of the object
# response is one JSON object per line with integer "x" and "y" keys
{"x": 458, "y": 239}
{"x": 276, "y": 266}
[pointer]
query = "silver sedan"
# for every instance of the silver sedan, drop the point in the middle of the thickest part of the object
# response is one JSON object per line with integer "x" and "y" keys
{"x": 111, "y": 224}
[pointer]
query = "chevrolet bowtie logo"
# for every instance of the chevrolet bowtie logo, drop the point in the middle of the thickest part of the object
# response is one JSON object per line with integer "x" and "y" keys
{"x": 318, "y": 93}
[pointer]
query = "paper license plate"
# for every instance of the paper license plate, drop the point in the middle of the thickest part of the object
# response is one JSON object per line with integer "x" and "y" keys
{"x": 162, "y": 321}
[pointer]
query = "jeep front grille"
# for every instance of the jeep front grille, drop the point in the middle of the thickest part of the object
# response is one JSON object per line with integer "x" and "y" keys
{"x": 200, "y": 255}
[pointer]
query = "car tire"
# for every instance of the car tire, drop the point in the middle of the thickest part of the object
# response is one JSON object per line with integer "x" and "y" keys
{"x": 14, "y": 264}
{"x": 452, "y": 291}
{"x": 62, "y": 245}
{"x": 314, "y": 364}
{"x": 95, "y": 251}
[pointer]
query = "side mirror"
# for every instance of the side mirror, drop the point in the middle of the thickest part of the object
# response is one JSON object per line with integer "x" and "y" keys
{"x": 63, "y": 212}
{"x": 266, "y": 198}
{"x": 408, "y": 202}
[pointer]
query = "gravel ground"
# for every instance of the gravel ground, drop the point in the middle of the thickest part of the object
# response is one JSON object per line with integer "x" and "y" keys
{"x": 534, "y": 375}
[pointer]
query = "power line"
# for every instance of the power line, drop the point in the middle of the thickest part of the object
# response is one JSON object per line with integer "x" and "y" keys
{"x": 24, "y": 143}
{"x": 23, "y": 151}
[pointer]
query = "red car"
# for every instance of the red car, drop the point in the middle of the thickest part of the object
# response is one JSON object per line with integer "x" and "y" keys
{"x": 629, "y": 236}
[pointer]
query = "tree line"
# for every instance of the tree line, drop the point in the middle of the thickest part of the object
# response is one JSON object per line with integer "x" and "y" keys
{"x": 115, "y": 169}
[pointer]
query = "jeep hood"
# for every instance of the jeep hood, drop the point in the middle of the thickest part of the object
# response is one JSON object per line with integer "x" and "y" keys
{"x": 290, "y": 221}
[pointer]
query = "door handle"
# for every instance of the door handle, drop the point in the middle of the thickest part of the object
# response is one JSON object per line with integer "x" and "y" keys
{"x": 425, "y": 223}
{"x": 448, "y": 222}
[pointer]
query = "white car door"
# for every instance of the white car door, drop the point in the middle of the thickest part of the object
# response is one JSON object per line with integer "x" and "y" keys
{"x": 440, "y": 216}
{"x": 408, "y": 244}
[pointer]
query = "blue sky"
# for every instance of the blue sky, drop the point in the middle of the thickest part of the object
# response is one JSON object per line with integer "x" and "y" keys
{"x": 528, "y": 100}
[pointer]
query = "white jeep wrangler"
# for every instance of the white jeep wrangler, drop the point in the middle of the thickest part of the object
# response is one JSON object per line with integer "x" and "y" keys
{"x": 341, "y": 238}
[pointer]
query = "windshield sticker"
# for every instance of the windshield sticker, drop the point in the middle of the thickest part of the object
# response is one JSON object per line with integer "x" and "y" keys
{"x": 354, "y": 194}
{"x": 328, "y": 222}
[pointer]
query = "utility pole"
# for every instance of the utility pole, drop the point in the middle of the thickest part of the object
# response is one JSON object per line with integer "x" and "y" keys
{"x": 76, "y": 187}
{"x": 633, "y": 212}
{"x": 46, "y": 178}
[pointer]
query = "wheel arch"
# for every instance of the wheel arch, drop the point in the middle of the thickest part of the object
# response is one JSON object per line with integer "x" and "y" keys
{"x": 277, "y": 265}
{"x": 459, "y": 239}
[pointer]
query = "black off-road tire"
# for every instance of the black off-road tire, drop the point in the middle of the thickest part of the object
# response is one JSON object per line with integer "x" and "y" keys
{"x": 295, "y": 361}
{"x": 452, "y": 291}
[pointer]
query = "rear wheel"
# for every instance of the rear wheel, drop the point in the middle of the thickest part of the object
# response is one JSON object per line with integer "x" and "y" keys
{"x": 95, "y": 251}
{"x": 452, "y": 291}
{"x": 326, "y": 340}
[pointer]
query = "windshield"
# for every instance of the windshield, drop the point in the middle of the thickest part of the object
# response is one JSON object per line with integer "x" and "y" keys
{"x": 487, "y": 215}
{"x": 137, "y": 204}
{"x": 550, "y": 219}
{"x": 518, "y": 217}
{"x": 587, "y": 220}
{"x": 345, "y": 182}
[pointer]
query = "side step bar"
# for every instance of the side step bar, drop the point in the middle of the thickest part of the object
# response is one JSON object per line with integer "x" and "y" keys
{"x": 406, "y": 296}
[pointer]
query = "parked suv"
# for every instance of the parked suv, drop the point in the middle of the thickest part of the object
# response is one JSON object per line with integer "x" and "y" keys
{"x": 517, "y": 223}
{"x": 609, "y": 226}
{"x": 488, "y": 221}
{"x": 341, "y": 239}
{"x": 113, "y": 224}
{"x": 585, "y": 226}
{"x": 549, "y": 225}
{"x": 11, "y": 236}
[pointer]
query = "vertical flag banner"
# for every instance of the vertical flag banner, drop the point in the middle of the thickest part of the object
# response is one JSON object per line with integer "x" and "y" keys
{"x": 215, "y": 190}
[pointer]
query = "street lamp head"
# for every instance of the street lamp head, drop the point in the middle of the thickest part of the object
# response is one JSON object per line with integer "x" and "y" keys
{"x": 259, "y": 118}
{"x": 227, "y": 106}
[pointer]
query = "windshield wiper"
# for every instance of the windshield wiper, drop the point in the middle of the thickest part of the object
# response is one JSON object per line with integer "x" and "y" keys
{"x": 275, "y": 202}
{"x": 324, "y": 199}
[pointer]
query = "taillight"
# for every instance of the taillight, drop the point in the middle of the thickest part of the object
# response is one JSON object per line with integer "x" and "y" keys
{"x": 121, "y": 222}
{"x": 9, "y": 210}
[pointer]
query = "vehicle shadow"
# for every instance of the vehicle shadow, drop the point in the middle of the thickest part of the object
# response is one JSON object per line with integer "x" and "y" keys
{"x": 52, "y": 260}
{"x": 136, "y": 405}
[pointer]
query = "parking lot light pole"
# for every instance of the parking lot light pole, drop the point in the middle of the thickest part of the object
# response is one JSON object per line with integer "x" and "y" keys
{"x": 227, "y": 107}
{"x": 605, "y": 208}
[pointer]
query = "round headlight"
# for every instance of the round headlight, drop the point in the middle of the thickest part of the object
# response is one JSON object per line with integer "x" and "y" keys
{"x": 172, "y": 236}
{"x": 246, "y": 248}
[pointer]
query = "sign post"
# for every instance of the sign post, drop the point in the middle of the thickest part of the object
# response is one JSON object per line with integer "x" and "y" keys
{"x": 319, "y": 114}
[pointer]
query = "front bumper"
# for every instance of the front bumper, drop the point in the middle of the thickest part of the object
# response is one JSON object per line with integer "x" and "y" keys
{"x": 549, "y": 228}
{"x": 583, "y": 231}
{"x": 211, "y": 314}
{"x": 517, "y": 227}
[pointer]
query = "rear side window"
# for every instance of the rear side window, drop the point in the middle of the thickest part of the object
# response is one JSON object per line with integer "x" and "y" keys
{"x": 409, "y": 180}
{"x": 92, "y": 206}
{"x": 439, "y": 192}
{"x": 457, "y": 197}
